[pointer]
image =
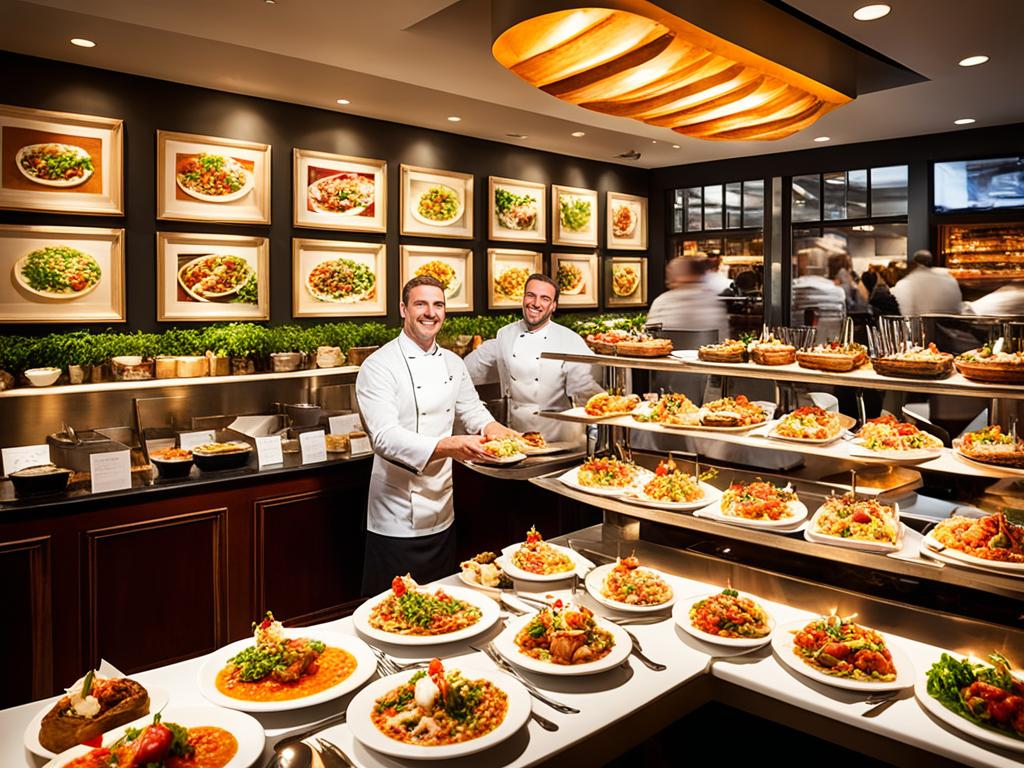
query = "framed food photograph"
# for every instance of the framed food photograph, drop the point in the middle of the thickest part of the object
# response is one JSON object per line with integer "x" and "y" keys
{"x": 206, "y": 178}
{"x": 517, "y": 210}
{"x": 507, "y": 271}
{"x": 573, "y": 216}
{"x": 331, "y": 278}
{"x": 212, "y": 277}
{"x": 576, "y": 275}
{"x": 627, "y": 222}
{"x": 436, "y": 203}
{"x": 339, "y": 192}
{"x": 625, "y": 281}
{"x": 60, "y": 162}
{"x": 61, "y": 274}
{"x": 453, "y": 267}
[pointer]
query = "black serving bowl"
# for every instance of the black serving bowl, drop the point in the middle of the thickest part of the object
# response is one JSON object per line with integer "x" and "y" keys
{"x": 218, "y": 462}
{"x": 171, "y": 468}
{"x": 41, "y": 479}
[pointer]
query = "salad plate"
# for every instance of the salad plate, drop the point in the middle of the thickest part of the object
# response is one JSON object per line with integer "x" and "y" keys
{"x": 595, "y": 586}
{"x": 489, "y": 614}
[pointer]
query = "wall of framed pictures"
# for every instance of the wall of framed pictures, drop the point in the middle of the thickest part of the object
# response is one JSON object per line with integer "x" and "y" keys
{"x": 310, "y": 213}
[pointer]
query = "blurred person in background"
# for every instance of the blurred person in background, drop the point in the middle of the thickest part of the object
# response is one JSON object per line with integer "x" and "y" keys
{"x": 840, "y": 270}
{"x": 928, "y": 290}
{"x": 1008, "y": 300}
{"x": 718, "y": 282}
{"x": 813, "y": 290}
{"x": 689, "y": 304}
{"x": 880, "y": 298}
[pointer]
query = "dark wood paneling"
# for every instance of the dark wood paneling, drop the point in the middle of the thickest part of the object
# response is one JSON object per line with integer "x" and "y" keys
{"x": 26, "y": 642}
{"x": 155, "y": 590}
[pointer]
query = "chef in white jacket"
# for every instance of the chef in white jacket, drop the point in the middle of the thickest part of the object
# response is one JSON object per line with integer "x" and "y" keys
{"x": 532, "y": 383}
{"x": 410, "y": 392}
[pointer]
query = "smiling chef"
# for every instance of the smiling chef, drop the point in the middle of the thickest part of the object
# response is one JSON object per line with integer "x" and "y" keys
{"x": 530, "y": 382}
{"x": 410, "y": 392}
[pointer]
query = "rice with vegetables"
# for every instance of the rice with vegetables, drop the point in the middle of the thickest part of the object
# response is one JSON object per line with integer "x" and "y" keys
{"x": 407, "y": 610}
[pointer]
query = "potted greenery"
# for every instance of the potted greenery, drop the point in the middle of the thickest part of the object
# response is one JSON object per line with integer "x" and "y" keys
{"x": 244, "y": 343}
{"x": 286, "y": 346}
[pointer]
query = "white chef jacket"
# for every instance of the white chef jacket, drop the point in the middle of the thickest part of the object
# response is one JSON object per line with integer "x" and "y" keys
{"x": 531, "y": 383}
{"x": 409, "y": 400}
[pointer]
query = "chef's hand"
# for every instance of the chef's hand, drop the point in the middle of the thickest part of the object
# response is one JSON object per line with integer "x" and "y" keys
{"x": 462, "y": 448}
{"x": 496, "y": 431}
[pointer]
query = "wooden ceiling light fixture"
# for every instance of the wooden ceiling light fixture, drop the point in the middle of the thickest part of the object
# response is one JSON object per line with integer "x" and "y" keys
{"x": 663, "y": 70}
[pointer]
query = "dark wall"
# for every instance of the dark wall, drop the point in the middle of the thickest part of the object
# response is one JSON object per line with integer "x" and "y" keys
{"x": 146, "y": 105}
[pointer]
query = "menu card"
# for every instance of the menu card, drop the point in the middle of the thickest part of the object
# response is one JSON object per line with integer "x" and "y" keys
{"x": 314, "y": 446}
{"x": 111, "y": 471}
{"x": 24, "y": 456}
{"x": 347, "y": 422}
{"x": 189, "y": 440}
{"x": 268, "y": 450}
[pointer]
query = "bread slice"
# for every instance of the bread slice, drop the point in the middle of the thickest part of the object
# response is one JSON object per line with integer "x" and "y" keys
{"x": 772, "y": 354}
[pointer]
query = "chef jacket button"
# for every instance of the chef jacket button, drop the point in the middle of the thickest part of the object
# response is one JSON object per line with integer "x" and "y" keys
{"x": 447, "y": 410}
{"x": 521, "y": 335}
{"x": 513, "y": 354}
{"x": 418, "y": 387}
{"x": 423, "y": 413}
{"x": 536, "y": 379}
{"x": 537, "y": 357}
{"x": 513, "y": 378}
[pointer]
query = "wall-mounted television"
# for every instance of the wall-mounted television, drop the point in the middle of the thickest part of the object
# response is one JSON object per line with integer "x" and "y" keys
{"x": 970, "y": 185}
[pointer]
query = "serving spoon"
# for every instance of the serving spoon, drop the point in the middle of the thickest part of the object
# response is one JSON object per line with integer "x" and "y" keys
{"x": 295, "y": 754}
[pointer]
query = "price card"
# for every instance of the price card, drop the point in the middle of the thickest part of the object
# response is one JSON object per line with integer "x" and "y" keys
{"x": 189, "y": 440}
{"x": 268, "y": 450}
{"x": 314, "y": 446}
{"x": 360, "y": 445}
{"x": 24, "y": 456}
{"x": 111, "y": 471}
{"x": 347, "y": 422}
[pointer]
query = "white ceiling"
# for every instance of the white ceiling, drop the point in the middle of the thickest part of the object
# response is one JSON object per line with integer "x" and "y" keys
{"x": 419, "y": 61}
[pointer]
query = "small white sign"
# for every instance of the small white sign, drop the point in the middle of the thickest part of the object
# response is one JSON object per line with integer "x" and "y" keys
{"x": 268, "y": 450}
{"x": 347, "y": 422}
{"x": 24, "y": 456}
{"x": 111, "y": 471}
{"x": 189, "y": 440}
{"x": 360, "y": 445}
{"x": 314, "y": 446}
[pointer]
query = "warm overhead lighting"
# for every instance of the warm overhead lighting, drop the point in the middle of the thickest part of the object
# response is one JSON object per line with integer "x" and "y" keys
{"x": 654, "y": 141}
{"x": 453, "y": 118}
{"x": 964, "y": 121}
{"x": 871, "y": 12}
{"x": 81, "y": 42}
{"x": 665, "y": 72}
{"x": 675, "y": 146}
{"x": 516, "y": 135}
{"x": 270, "y": 2}
{"x": 972, "y": 61}
{"x": 344, "y": 102}
{"x": 578, "y": 134}
{"x": 821, "y": 139}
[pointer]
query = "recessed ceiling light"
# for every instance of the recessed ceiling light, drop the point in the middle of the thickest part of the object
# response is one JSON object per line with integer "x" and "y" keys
{"x": 81, "y": 42}
{"x": 578, "y": 134}
{"x": 972, "y": 61}
{"x": 820, "y": 139}
{"x": 654, "y": 141}
{"x": 675, "y": 146}
{"x": 871, "y": 12}
{"x": 344, "y": 102}
{"x": 270, "y": 2}
{"x": 453, "y": 118}
{"x": 516, "y": 135}
{"x": 964, "y": 121}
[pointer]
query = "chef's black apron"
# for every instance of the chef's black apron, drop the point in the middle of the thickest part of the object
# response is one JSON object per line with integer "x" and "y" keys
{"x": 425, "y": 558}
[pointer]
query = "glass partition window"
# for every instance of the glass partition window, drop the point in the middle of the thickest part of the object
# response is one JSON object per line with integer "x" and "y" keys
{"x": 734, "y": 205}
{"x": 807, "y": 198}
{"x": 753, "y": 203}
{"x": 889, "y": 191}
{"x": 850, "y": 195}
{"x": 694, "y": 209}
{"x": 713, "y": 207}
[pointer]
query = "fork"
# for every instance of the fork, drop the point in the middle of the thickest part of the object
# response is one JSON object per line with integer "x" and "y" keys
{"x": 329, "y": 748}
{"x": 503, "y": 665}
{"x": 392, "y": 666}
{"x": 637, "y": 651}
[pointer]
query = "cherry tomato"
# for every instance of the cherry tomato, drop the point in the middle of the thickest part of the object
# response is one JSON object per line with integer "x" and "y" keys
{"x": 398, "y": 586}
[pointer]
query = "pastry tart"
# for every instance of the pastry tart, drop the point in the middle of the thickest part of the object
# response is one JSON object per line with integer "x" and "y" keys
{"x": 983, "y": 364}
{"x": 772, "y": 351}
{"x": 915, "y": 363}
{"x": 834, "y": 357}
{"x": 728, "y": 351}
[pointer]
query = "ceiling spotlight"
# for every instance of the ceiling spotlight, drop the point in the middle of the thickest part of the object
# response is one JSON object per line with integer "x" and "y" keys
{"x": 821, "y": 139}
{"x": 654, "y": 141}
{"x": 344, "y": 102}
{"x": 675, "y": 146}
{"x": 871, "y": 12}
{"x": 270, "y": 2}
{"x": 81, "y": 42}
{"x": 453, "y": 118}
{"x": 972, "y": 61}
{"x": 516, "y": 135}
{"x": 578, "y": 134}
{"x": 964, "y": 121}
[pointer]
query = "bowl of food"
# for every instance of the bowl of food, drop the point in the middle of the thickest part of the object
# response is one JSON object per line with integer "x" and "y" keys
{"x": 42, "y": 377}
{"x": 40, "y": 479}
{"x": 216, "y": 457}
{"x": 172, "y": 462}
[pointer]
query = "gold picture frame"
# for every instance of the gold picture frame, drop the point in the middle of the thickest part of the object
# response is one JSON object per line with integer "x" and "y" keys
{"x": 312, "y": 257}
{"x": 614, "y": 268}
{"x": 441, "y": 262}
{"x": 574, "y": 216}
{"x": 312, "y": 176}
{"x": 179, "y": 155}
{"x": 500, "y": 265}
{"x": 96, "y": 187}
{"x": 457, "y": 188}
{"x": 33, "y": 296}
{"x": 626, "y": 218}
{"x": 581, "y": 279}
{"x": 510, "y": 219}
{"x": 183, "y": 295}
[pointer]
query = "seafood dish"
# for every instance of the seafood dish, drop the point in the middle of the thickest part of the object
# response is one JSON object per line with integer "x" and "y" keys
{"x": 607, "y": 472}
{"x": 515, "y": 212}
{"x": 341, "y": 281}
{"x": 627, "y": 582}
{"x": 344, "y": 194}
{"x": 759, "y": 500}
{"x": 511, "y": 283}
{"x": 771, "y": 351}
{"x": 838, "y": 647}
{"x": 574, "y": 213}
{"x": 624, "y": 220}
{"x": 625, "y": 280}
{"x": 673, "y": 486}
{"x": 90, "y": 707}
{"x": 55, "y": 165}
{"x": 728, "y": 351}
{"x": 916, "y": 362}
{"x": 991, "y": 446}
{"x": 482, "y": 570}
{"x": 670, "y": 408}
{"x": 729, "y": 615}
{"x": 809, "y": 423}
{"x": 435, "y": 708}
{"x": 444, "y": 273}
{"x": 58, "y": 272}
{"x": 214, "y": 276}
{"x": 991, "y": 538}
{"x": 732, "y": 412}
{"x": 833, "y": 357}
{"x": 565, "y": 635}
{"x": 439, "y": 205}
{"x": 537, "y": 556}
{"x": 985, "y": 364}
{"x": 279, "y": 668}
{"x": 409, "y": 610}
{"x": 847, "y": 517}
{"x": 887, "y": 433}
{"x": 570, "y": 278}
{"x": 988, "y": 694}
{"x": 604, "y": 404}
{"x": 213, "y": 177}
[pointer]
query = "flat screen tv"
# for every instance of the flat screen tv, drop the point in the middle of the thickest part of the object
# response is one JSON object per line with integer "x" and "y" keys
{"x": 971, "y": 185}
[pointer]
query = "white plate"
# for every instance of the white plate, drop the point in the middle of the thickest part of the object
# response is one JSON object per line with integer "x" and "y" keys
{"x": 238, "y": 194}
{"x": 414, "y": 206}
{"x": 868, "y": 546}
{"x": 856, "y": 448}
{"x": 157, "y": 701}
{"x": 20, "y": 279}
{"x": 555, "y": 447}
{"x": 488, "y": 609}
{"x": 64, "y": 184}
{"x": 595, "y": 580}
{"x": 366, "y": 665}
{"x": 211, "y": 296}
{"x": 707, "y": 428}
{"x": 782, "y": 644}
{"x": 313, "y": 195}
{"x": 464, "y": 578}
{"x": 579, "y": 413}
{"x": 798, "y": 508}
{"x": 986, "y": 464}
{"x": 771, "y": 432}
{"x": 582, "y": 565}
{"x": 953, "y": 720}
{"x": 711, "y": 496}
{"x": 505, "y": 644}
{"x": 681, "y": 614}
{"x": 245, "y": 728}
{"x": 956, "y": 555}
{"x": 366, "y": 732}
{"x": 685, "y": 354}
{"x": 570, "y": 478}
{"x": 515, "y": 458}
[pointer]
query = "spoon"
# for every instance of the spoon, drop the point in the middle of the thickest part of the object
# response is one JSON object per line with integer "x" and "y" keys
{"x": 296, "y": 754}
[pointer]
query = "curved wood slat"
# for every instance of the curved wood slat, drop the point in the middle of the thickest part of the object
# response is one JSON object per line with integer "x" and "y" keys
{"x": 629, "y": 60}
{"x": 628, "y": 109}
{"x": 669, "y": 88}
{"x": 790, "y": 101}
{"x": 703, "y": 107}
{"x": 776, "y": 129}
